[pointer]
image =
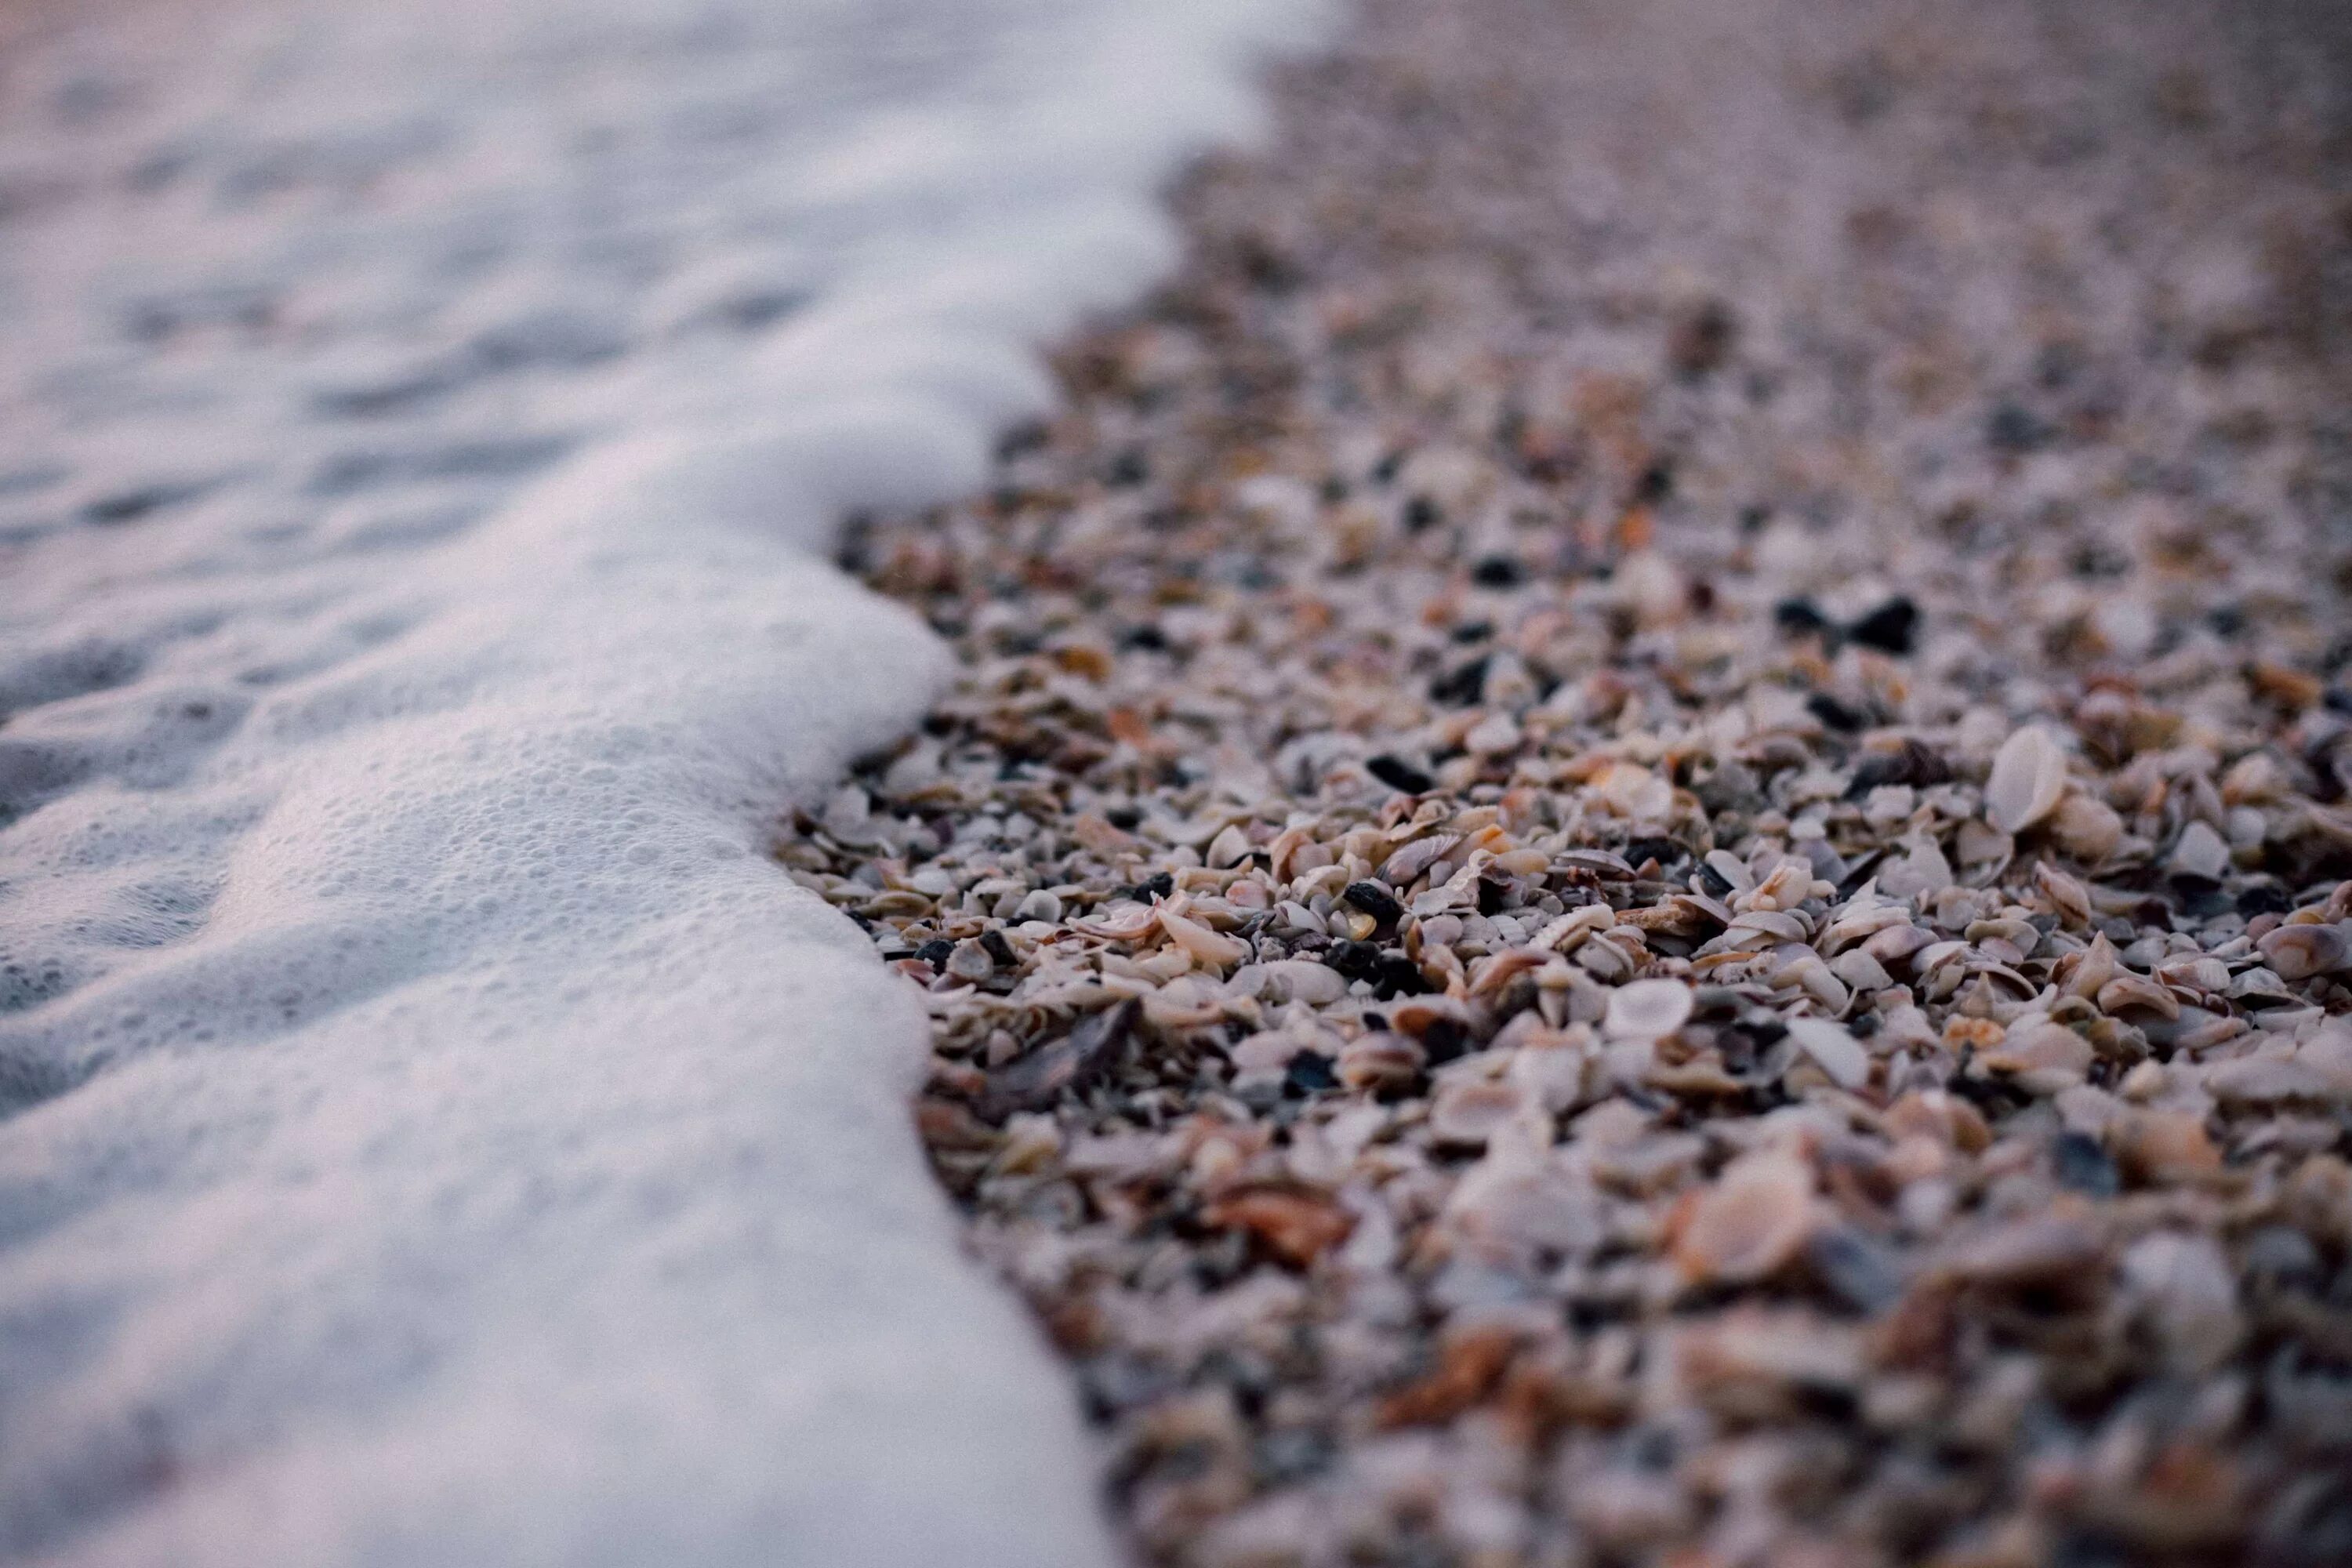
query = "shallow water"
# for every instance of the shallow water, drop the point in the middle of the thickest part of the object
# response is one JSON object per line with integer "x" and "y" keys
{"x": 429, "y": 1129}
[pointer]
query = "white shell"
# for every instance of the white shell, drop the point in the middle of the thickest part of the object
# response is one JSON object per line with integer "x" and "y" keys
{"x": 1647, "y": 1009}
{"x": 2028, "y": 777}
{"x": 1837, "y": 1053}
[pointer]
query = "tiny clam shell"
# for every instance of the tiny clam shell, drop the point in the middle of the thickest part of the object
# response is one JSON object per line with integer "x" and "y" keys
{"x": 1647, "y": 1009}
{"x": 2300, "y": 951}
{"x": 1836, "y": 1052}
{"x": 2029, "y": 778}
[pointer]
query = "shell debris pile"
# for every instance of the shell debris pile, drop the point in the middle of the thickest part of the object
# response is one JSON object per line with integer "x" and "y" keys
{"x": 1643, "y": 853}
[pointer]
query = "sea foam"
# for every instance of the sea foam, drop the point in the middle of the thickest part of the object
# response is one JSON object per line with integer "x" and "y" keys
{"x": 431, "y": 1130}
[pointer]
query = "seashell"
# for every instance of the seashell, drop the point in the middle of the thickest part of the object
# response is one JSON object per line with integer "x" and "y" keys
{"x": 1856, "y": 921}
{"x": 1602, "y": 862}
{"x": 1809, "y": 974}
{"x": 1296, "y": 1224}
{"x": 1751, "y": 1223}
{"x": 1788, "y": 885}
{"x": 1495, "y": 734}
{"x": 1557, "y": 1069}
{"x": 1518, "y": 1212}
{"x": 2196, "y": 1029}
{"x": 2128, "y": 991}
{"x": 2029, "y": 778}
{"x": 1860, "y": 971}
{"x": 2042, "y": 1056}
{"x": 1604, "y": 960}
{"x": 2035, "y": 1249}
{"x": 1303, "y": 980}
{"x": 1404, "y": 867}
{"x": 2086, "y": 828}
{"x": 2162, "y": 1146}
{"x": 1833, "y": 1049}
{"x": 1985, "y": 851}
{"x": 2268, "y": 1081}
{"x": 1898, "y": 943}
{"x": 1494, "y": 972}
{"x": 1041, "y": 905}
{"x": 1754, "y": 1363}
{"x": 2299, "y": 951}
{"x": 898, "y": 904}
{"x": 1942, "y": 1116}
{"x": 1647, "y": 1009}
{"x": 2189, "y": 1296}
{"x": 1414, "y": 1015}
{"x": 1231, "y": 846}
{"x": 1731, "y": 868}
{"x": 1123, "y": 922}
{"x": 2195, "y": 971}
{"x": 1204, "y": 945}
{"x": 2082, "y": 974}
{"x": 2200, "y": 852}
{"x": 1563, "y": 932}
{"x": 1084, "y": 1056}
{"x": 2329, "y": 1054}
{"x": 1633, "y": 791}
{"x": 2258, "y": 985}
{"x": 1380, "y": 1063}
{"x": 2255, "y": 779}
{"x": 2067, "y": 896}
{"x": 1467, "y": 1114}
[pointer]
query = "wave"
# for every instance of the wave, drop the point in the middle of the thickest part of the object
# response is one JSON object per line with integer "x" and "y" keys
{"x": 430, "y": 1128}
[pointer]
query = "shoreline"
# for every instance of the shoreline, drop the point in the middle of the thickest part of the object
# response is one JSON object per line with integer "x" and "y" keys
{"x": 1643, "y": 849}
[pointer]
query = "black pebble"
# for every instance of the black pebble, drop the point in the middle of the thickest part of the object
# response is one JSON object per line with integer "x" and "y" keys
{"x": 1864, "y": 1273}
{"x": 2263, "y": 899}
{"x": 1400, "y": 976}
{"x": 2079, "y": 1163}
{"x": 1460, "y": 688}
{"x": 1665, "y": 851}
{"x": 1444, "y": 1039}
{"x": 1893, "y": 627}
{"x": 1355, "y": 959}
{"x": 1799, "y": 618}
{"x": 1494, "y": 897}
{"x": 1311, "y": 1073}
{"x": 1127, "y": 468}
{"x": 1398, "y": 773}
{"x": 997, "y": 948}
{"x": 1498, "y": 572}
{"x": 1374, "y": 900}
{"x": 1149, "y": 638}
{"x": 2014, "y": 429}
{"x": 936, "y": 952}
{"x": 1160, "y": 885}
{"x": 1833, "y": 712}
{"x": 1421, "y": 514}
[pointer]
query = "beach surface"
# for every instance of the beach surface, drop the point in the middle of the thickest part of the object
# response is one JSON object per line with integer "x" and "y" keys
{"x": 1641, "y": 856}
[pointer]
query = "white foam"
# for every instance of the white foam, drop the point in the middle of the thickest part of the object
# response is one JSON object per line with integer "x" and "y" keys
{"x": 434, "y": 1132}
